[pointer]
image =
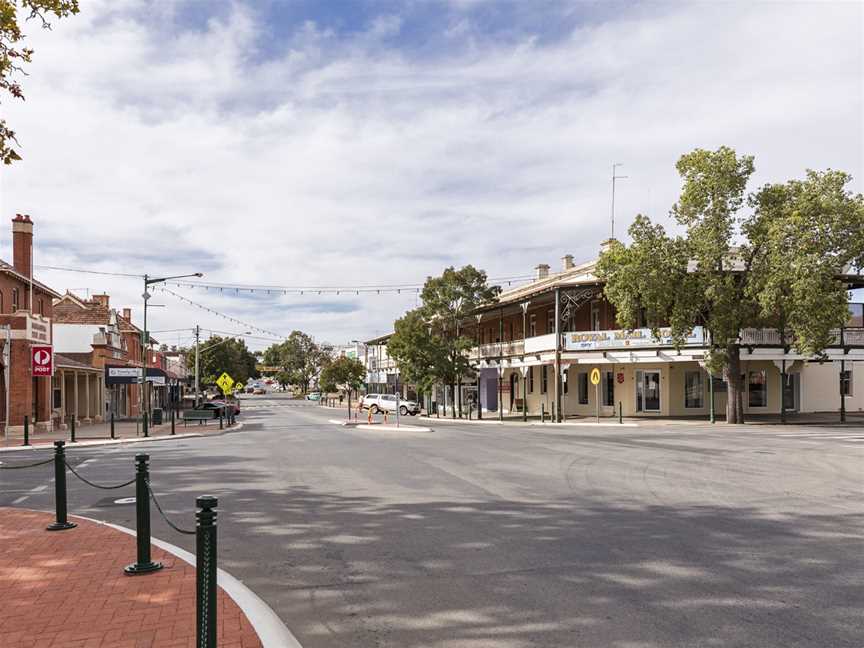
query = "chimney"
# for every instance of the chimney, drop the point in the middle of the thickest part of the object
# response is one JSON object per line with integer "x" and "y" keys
{"x": 22, "y": 244}
{"x": 542, "y": 271}
{"x": 102, "y": 300}
{"x": 567, "y": 262}
{"x": 127, "y": 314}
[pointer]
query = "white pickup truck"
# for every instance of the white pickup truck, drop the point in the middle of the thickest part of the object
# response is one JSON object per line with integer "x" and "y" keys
{"x": 387, "y": 403}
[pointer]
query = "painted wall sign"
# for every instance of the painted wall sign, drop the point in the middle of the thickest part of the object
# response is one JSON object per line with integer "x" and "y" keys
{"x": 618, "y": 339}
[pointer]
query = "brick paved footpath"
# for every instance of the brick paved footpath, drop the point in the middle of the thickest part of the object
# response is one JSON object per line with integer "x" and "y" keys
{"x": 67, "y": 589}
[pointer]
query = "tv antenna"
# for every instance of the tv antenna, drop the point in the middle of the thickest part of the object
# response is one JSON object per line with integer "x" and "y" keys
{"x": 615, "y": 177}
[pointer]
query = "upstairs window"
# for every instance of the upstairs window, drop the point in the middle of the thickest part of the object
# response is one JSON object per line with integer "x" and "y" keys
{"x": 532, "y": 326}
{"x": 14, "y": 300}
{"x": 550, "y": 321}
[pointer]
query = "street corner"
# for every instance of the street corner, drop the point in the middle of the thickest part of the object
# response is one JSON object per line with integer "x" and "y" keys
{"x": 41, "y": 572}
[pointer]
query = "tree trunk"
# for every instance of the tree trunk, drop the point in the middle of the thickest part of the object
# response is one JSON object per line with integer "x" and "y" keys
{"x": 734, "y": 386}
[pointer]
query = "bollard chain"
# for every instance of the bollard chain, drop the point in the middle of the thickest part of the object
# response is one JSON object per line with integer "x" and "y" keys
{"x": 165, "y": 517}
{"x": 100, "y": 486}
{"x": 33, "y": 465}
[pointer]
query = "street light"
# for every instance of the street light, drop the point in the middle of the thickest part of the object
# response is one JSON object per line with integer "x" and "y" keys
{"x": 149, "y": 281}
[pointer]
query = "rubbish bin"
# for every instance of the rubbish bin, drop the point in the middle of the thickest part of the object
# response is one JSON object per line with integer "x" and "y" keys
{"x": 157, "y": 416}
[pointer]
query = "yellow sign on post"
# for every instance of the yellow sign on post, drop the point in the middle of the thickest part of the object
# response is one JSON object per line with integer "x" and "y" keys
{"x": 595, "y": 380}
{"x": 595, "y": 376}
{"x": 238, "y": 387}
{"x": 225, "y": 383}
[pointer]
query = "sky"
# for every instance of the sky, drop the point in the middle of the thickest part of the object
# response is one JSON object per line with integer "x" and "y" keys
{"x": 345, "y": 143}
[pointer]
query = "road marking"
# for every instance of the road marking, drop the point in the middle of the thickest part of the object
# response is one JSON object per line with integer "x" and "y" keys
{"x": 20, "y": 499}
{"x": 39, "y": 489}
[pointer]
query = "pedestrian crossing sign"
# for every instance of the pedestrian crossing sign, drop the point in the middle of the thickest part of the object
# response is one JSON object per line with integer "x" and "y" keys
{"x": 225, "y": 383}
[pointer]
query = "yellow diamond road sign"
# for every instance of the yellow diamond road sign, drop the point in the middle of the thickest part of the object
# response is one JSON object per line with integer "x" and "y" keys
{"x": 225, "y": 382}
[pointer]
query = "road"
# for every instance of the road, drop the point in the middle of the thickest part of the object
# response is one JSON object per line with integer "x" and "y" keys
{"x": 475, "y": 536}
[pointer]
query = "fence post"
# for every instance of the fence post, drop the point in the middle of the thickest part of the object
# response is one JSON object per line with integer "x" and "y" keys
{"x": 73, "y": 428}
{"x": 60, "y": 489}
{"x": 173, "y": 413}
{"x": 142, "y": 519}
{"x": 112, "y": 425}
{"x": 205, "y": 571}
{"x": 26, "y": 430}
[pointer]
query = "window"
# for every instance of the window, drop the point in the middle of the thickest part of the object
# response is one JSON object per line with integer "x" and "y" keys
{"x": 583, "y": 387}
{"x": 846, "y": 382}
{"x": 608, "y": 388}
{"x": 595, "y": 316}
{"x": 530, "y": 380}
{"x": 532, "y": 326}
{"x": 719, "y": 385}
{"x": 2, "y": 304}
{"x": 41, "y": 306}
{"x": 544, "y": 380}
{"x": 693, "y": 390}
{"x": 757, "y": 388}
{"x": 550, "y": 321}
{"x": 14, "y": 299}
{"x": 57, "y": 399}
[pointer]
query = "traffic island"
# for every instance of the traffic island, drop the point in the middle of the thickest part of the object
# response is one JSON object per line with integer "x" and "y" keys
{"x": 69, "y": 588}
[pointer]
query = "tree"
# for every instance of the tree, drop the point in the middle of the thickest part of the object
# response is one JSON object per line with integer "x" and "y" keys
{"x": 419, "y": 354}
{"x": 342, "y": 373}
{"x": 447, "y": 300}
{"x": 778, "y": 266}
{"x": 224, "y": 354}
{"x": 299, "y": 358}
{"x": 13, "y": 57}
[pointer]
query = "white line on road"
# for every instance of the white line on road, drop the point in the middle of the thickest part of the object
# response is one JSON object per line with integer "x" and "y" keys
{"x": 20, "y": 499}
{"x": 39, "y": 489}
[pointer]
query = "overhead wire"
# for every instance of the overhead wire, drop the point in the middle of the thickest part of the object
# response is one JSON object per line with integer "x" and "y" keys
{"x": 222, "y": 315}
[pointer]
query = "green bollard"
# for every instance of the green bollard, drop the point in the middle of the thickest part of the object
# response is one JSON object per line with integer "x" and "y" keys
{"x": 60, "y": 489}
{"x": 173, "y": 412}
{"x": 112, "y": 426}
{"x": 620, "y": 414}
{"x": 73, "y": 428}
{"x": 205, "y": 572}
{"x": 144, "y": 563}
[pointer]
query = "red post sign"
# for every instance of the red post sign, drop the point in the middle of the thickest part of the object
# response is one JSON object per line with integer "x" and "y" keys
{"x": 42, "y": 360}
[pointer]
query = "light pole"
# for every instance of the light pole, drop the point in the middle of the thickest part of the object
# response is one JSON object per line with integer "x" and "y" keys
{"x": 148, "y": 281}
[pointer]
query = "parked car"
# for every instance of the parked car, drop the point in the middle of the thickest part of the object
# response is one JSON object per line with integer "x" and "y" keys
{"x": 387, "y": 403}
{"x": 250, "y": 389}
{"x": 313, "y": 396}
{"x": 217, "y": 405}
{"x": 259, "y": 391}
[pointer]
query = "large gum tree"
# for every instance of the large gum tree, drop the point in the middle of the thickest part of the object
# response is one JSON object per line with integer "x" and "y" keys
{"x": 773, "y": 258}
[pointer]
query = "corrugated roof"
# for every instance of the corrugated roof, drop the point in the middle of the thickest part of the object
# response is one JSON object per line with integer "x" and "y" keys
{"x": 71, "y": 361}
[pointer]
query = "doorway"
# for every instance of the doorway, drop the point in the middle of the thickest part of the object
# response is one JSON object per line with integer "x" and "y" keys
{"x": 791, "y": 392}
{"x": 647, "y": 391}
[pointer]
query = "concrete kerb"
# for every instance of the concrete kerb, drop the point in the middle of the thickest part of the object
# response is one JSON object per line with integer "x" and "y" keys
{"x": 107, "y": 442}
{"x": 270, "y": 629}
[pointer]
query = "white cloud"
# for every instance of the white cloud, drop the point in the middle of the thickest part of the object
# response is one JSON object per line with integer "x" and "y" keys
{"x": 346, "y": 160}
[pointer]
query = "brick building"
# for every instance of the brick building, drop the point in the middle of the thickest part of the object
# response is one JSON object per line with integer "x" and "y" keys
{"x": 25, "y": 319}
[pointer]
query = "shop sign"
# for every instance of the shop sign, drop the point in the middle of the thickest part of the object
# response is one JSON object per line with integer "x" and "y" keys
{"x": 633, "y": 339}
{"x": 132, "y": 375}
{"x": 42, "y": 360}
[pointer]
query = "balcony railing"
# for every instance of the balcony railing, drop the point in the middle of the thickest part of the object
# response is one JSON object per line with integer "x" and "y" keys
{"x": 771, "y": 337}
{"x": 499, "y": 349}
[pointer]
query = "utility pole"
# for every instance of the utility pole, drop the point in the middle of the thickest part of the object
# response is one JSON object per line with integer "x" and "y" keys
{"x": 197, "y": 364}
{"x": 614, "y": 178}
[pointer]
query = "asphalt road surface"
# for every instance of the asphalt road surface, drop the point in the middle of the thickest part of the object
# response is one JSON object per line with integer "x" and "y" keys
{"x": 490, "y": 536}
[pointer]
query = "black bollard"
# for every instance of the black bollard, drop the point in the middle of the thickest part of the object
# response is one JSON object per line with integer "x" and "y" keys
{"x": 73, "y": 428}
{"x": 26, "y": 430}
{"x": 620, "y": 415}
{"x": 60, "y": 489}
{"x": 112, "y": 425}
{"x": 142, "y": 514}
{"x": 205, "y": 571}
{"x": 542, "y": 412}
{"x": 144, "y": 425}
{"x": 173, "y": 413}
